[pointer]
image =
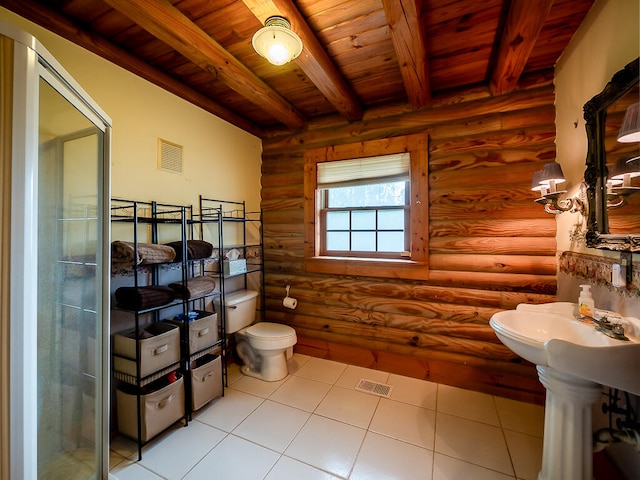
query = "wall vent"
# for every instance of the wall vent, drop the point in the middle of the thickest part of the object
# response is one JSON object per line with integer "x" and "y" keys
{"x": 169, "y": 156}
{"x": 369, "y": 386}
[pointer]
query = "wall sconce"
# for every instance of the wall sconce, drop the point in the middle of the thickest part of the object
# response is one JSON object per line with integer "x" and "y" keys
{"x": 545, "y": 181}
{"x": 619, "y": 182}
{"x": 276, "y": 41}
{"x": 630, "y": 130}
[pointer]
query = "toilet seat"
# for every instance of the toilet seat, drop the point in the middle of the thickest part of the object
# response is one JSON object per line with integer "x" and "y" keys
{"x": 274, "y": 331}
{"x": 269, "y": 336}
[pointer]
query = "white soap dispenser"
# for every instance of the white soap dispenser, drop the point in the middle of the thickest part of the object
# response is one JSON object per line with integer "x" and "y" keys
{"x": 586, "y": 304}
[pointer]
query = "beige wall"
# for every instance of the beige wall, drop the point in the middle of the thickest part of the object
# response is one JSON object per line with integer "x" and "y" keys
{"x": 220, "y": 160}
{"x": 606, "y": 41}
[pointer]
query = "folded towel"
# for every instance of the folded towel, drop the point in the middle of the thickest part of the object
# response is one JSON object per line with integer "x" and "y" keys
{"x": 195, "y": 249}
{"x": 122, "y": 253}
{"x": 141, "y": 298}
{"x": 196, "y": 287}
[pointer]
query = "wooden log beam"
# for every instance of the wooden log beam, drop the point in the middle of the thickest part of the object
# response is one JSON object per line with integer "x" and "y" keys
{"x": 494, "y": 245}
{"x": 524, "y": 23}
{"x": 497, "y": 176}
{"x": 492, "y": 158}
{"x": 414, "y": 344}
{"x": 167, "y": 23}
{"x": 60, "y": 25}
{"x": 494, "y": 210}
{"x": 407, "y": 35}
{"x": 283, "y": 203}
{"x": 524, "y": 227}
{"x": 363, "y": 308}
{"x": 399, "y": 340}
{"x": 314, "y": 60}
{"x": 281, "y": 191}
{"x": 535, "y": 264}
{"x": 446, "y": 296}
{"x": 495, "y": 122}
{"x": 293, "y": 177}
{"x": 513, "y": 282}
{"x": 421, "y": 120}
{"x": 454, "y": 358}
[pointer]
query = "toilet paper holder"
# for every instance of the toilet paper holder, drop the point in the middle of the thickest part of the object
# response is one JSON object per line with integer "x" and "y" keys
{"x": 287, "y": 301}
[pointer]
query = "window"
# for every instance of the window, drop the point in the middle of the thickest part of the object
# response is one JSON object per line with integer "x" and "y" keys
{"x": 364, "y": 208}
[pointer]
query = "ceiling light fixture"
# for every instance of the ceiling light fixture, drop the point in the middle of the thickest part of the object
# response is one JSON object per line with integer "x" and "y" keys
{"x": 276, "y": 41}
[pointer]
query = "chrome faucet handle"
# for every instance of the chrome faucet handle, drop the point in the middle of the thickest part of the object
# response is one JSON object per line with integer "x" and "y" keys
{"x": 613, "y": 330}
{"x": 617, "y": 328}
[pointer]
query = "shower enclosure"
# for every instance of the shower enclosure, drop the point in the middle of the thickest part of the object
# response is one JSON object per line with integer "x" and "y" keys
{"x": 59, "y": 280}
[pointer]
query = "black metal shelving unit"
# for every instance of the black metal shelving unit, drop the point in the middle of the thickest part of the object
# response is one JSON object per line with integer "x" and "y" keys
{"x": 153, "y": 215}
{"x": 233, "y": 220}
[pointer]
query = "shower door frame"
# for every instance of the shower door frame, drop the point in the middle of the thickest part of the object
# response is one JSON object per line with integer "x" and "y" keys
{"x": 32, "y": 62}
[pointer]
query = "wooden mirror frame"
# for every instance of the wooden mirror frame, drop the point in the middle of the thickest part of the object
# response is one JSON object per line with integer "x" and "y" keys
{"x": 595, "y": 176}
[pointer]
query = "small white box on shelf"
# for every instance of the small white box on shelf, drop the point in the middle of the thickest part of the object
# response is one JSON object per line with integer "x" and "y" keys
{"x": 235, "y": 267}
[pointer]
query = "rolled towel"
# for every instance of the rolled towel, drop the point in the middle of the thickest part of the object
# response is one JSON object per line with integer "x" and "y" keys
{"x": 199, "y": 249}
{"x": 196, "y": 287}
{"x": 141, "y": 298}
{"x": 196, "y": 249}
{"x": 122, "y": 253}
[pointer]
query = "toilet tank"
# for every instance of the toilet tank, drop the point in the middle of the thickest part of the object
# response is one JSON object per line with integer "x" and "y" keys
{"x": 240, "y": 309}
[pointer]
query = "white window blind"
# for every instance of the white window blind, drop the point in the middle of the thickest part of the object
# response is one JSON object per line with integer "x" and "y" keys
{"x": 359, "y": 171}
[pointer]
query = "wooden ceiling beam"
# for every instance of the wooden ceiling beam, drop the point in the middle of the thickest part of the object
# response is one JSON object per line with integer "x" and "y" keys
{"x": 407, "y": 35}
{"x": 314, "y": 60}
{"x": 60, "y": 25}
{"x": 167, "y": 23}
{"x": 524, "y": 23}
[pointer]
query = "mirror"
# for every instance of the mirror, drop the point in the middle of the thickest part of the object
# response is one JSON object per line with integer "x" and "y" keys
{"x": 614, "y": 198}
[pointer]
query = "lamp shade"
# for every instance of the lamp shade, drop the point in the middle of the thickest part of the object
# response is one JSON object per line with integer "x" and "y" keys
{"x": 277, "y": 42}
{"x": 552, "y": 173}
{"x": 625, "y": 166}
{"x": 630, "y": 130}
{"x": 535, "y": 181}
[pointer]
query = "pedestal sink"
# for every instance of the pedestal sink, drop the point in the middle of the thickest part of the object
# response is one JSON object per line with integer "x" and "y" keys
{"x": 573, "y": 360}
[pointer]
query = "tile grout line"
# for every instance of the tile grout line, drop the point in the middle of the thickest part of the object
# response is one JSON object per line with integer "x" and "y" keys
{"x": 504, "y": 436}
{"x": 435, "y": 433}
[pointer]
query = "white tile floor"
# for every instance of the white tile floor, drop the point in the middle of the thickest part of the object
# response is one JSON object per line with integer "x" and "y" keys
{"x": 314, "y": 425}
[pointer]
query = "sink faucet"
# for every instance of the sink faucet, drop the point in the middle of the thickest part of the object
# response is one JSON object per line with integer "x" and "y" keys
{"x": 613, "y": 330}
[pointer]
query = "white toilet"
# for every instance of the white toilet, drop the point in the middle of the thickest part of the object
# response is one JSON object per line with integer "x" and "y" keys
{"x": 263, "y": 347}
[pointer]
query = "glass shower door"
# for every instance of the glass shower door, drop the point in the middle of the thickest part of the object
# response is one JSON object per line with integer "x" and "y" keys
{"x": 69, "y": 285}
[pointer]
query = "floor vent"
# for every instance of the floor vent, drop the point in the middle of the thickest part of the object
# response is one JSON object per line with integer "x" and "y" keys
{"x": 375, "y": 388}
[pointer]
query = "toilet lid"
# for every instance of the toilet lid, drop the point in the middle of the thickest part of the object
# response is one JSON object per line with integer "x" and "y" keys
{"x": 270, "y": 330}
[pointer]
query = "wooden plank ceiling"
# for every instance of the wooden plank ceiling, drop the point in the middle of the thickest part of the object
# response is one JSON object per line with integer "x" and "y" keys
{"x": 359, "y": 56}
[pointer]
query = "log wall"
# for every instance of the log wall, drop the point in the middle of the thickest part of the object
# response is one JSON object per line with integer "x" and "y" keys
{"x": 490, "y": 246}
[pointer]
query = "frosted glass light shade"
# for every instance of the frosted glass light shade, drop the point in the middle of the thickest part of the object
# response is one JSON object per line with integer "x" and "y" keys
{"x": 630, "y": 130}
{"x": 277, "y": 42}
